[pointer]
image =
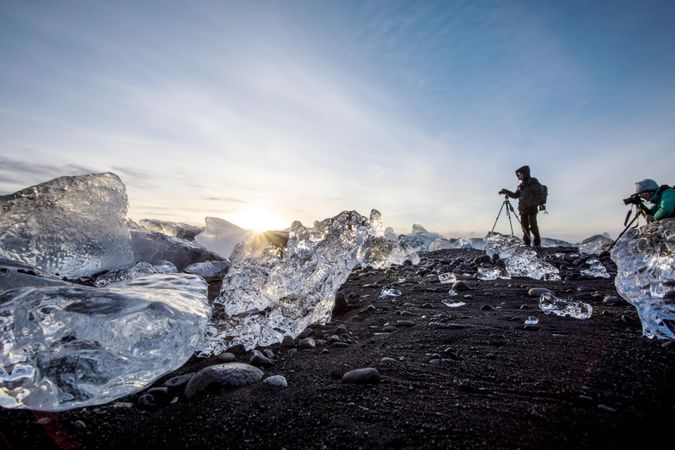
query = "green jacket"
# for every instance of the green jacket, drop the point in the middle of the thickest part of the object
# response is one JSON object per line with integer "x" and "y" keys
{"x": 664, "y": 203}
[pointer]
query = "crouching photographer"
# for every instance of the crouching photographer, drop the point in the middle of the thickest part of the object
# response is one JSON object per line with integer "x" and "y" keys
{"x": 662, "y": 197}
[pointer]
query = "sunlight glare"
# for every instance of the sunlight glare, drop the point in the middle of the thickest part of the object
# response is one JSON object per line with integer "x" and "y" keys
{"x": 259, "y": 219}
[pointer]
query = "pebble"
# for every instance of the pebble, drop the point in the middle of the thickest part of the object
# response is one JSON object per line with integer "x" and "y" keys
{"x": 405, "y": 323}
{"x": 340, "y": 306}
{"x": 387, "y": 360}
{"x": 178, "y": 382}
{"x": 539, "y": 291}
{"x": 79, "y": 424}
{"x": 161, "y": 394}
{"x": 237, "y": 349}
{"x": 460, "y": 286}
{"x": 524, "y": 306}
{"x": 611, "y": 300}
{"x": 224, "y": 357}
{"x": 307, "y": 343}
{"x": 367, "y": 308}
{"x": 362, "y": 376}
{"x": 229, "y": 375}
{"x": 468, "y": 296}
{"x": 339, "y": 344}
{"x": 260, "y": 360}
{"x": 342, "y": 329}
{"x": 606, "y": 408}
{"x": 307, "y": 332}
{"x": 288, "y": 342}
{"x": 147, "y": 401}
{"x": 278, "y": 381}
{"x": 486, "y": 308}
{"x": 388, "y": 329}
{"x": 44, "y": 421}
{"x": 269, "y": 353}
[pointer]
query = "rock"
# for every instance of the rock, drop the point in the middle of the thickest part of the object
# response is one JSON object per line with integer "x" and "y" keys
{"x": 229, "y": 375}
{"x": 486, "y": 308}
{"x": 387, "y": 360}
{"x": 269, "y": 353}
{"x": 539, "y": 291}
{"x": 79, "y": 425}
{"x": 237, "y": 349}
{"x": 260, "y": 360}
{"x": 277, "y": 381}
{"x": 147, "y": 401}
{"x": 306, "y": 343}
{"x": 179, "y": 381}
{"x": 225, "y": 357}
{"x": 288, "y": 342}
{"x": 342, "y": 329}
{"x": 405, "y": 323}
{"x": 340, "y": 306}
{"x": 362, "y": 376}
{"x": 460, "y": 286}
{"x": 367, "y": 309}
{"x": 307, "y": 332}
{"x": 612, "y": 300}
{"x": 161, "y": 394}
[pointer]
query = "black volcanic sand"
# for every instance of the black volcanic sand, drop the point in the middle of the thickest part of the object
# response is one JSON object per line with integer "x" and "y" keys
{"x": 493, "y": 382}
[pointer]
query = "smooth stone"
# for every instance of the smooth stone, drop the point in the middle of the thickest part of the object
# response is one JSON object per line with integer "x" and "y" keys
{"x": 307, "y": 332}
{"x": 306, "y": 343}
{"x": 340, "y": 306}
{"x": 405, "y": 323}
{"x": 367, "y": 308}
{"x": 160, "y": 394}
{"x": 288, "y": 342}
{"x": 147, "y": 401}
{"x": 269, "y": 353}
{"x": 486, "y": 308}
{"x": 237, "y": 349}
{"x": 340, "y": 344}
{"x": 179, "y": 381}
{"x": 229, "y": 375}
{"x": 612, "y": 300}
{"x": 538, "y": 292}
{"x": 260, "y": 360}
{"x": 224, "y": 357}
{"x": 341, "y": 330}
{"x": 460, "y": 286}
{"x": 362, "y": 376}
{"x": 278, "y": 381}
{"x": 387, "y": 360}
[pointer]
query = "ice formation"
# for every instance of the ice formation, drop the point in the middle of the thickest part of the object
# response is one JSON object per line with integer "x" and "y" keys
{"x": 595, "y": 269}
{"x": 387, "y": 292}
{"x": 445, "y": 278}
{"x": 68, "y": 347}
{"x": 492, "y": 273}
{"x": 645, "y": 260}
{"x": 521, "y": 261}
{"x": 174, "y": 229}
{"x": 154, "y": 248}
{"x": 140, "y": 269}
{"x": 73, "y": 226}
{"x": 594, "y": 245}
{"x": 451, "y": 304}
{"x": 208, "y": 269}
{"x": 221, "y": 236}
{"x": 14, "y": 275}
{"x": 282, "y": 287}
{"x": 419, "y": 239}
{"x": 550, "y": 304}
{"x": 549, "y": 242}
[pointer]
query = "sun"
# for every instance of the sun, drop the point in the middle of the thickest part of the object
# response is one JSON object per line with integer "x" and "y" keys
{"x": 259, "y": 219}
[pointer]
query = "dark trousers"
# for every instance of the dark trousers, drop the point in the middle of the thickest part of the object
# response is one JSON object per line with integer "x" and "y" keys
{"x": 528, "y": 221}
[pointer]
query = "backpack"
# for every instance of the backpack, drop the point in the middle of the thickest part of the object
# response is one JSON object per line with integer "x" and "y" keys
{"x": 544, "y": 195}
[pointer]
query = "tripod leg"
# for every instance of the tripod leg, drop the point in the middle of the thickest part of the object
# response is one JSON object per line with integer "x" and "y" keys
{"x": 508, "y": 214}
{"x": 498, "y": 214}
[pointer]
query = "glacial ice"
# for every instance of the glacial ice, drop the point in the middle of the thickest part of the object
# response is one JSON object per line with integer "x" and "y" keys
{"x": 74, "y": 346}
{"x": 207, "y": 269}
{"x": 387, "y": 292}
{"x": 174, "y": 229}
{"x": 451, "y": 304}
{"x": 594, "y": 245}
{"x": 154, "y": 248}
{"x": 596, "y": 269}
{"x": 550, "y": 242}
{"x": 221, "y": 236}
{"x": 71, "y": 226}
{"x": 492, "y": 273}
{"x": 550, "y": 304}
{"x": 14, "y": 275}
{"x": 445, "y": 278}
{"x": 521, "y": 261}
{"x": 283, "y": 286}
{"x": 645, "y": 260}
{"x": 138, "y": 270}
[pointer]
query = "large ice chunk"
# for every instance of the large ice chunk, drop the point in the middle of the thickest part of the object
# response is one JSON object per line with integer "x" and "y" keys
{"x": 645, "y": 260}
{"x": 422, "y": 240}
{"x": 275, "y": 288}
{"x": 138, "y": 270}
{"x": 154, "y": 248}
{"x": 595, "y": 244}
{"x": 174, "y": 229}
{"x": 208, "y": 269}
{"x": 550, "y": 242}
{"x": 14, "y": 275}
{"x": 521, "y": 260}
{"x": 72, "y": 226}
{"x": 67, "y": 347}
{"x": 221, "y": 236}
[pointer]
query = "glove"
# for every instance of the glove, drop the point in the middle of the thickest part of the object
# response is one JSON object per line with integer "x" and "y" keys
{"x": 542, "y": 207}
{"x": 502, "y": 192}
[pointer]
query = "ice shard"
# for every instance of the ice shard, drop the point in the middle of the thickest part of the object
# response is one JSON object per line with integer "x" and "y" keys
{"x": 221, "y": 236}
{"x": 645, "y": 260}
{"x": 208, "y": 269}
{"x": 72, "y": 226}
{"x": 138, "y": 270}
{"x": 154, "y": 248}
{"x": 174, "y": 229}
{"x": 595, "y": 244}
{"x": 521, "y": 260}
{"x": 595, "y": 269}
{"x": 550, "y": 304}
{"x": 277, "y": 287}
{"x": 74, "y": 346}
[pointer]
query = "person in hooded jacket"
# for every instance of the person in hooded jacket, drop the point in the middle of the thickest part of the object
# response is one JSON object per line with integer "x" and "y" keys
{"x": 662, "y": 197}
{"x": 529, "y": 194}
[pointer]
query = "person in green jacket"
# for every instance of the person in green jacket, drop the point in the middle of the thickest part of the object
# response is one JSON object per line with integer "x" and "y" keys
{"x": 662, "y": 197}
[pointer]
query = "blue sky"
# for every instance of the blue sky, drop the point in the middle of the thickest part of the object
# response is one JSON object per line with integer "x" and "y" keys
{"x": 275, "y": 111}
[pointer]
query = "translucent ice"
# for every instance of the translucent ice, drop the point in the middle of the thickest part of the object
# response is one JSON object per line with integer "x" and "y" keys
{"x": 221, "y": 236}
{"x": 384, "y": 293}
{"x": 445, "y": 244}
{"x": 492, "y": 273}
{"x": 550, "y": 304}
{"x": 72, "y": 226}
{"x": 208, "y": 269}
{"x": 521, "y": 261}
{"x": 446, "y": 278}
{"x": 175, "y": 229}
{"x": 14, "y": 275}
{"x": 596, "y": 269}
{"x": 549, "y": 242}
{"x": 154, "y": 248}
{"x": 451, "y": 304}
{"x": 420, "y": 239}
{"x": 67, "y": 347}
{"x": 453, "y": 293}
{"x": 278, "y": 286}
{"x": 594, "y": 245}
{"x": 140, "y": 269}
{"x": 645, "y": 260}
{"x": 531, "y": 320}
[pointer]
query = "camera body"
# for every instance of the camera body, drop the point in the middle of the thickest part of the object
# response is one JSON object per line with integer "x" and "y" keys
{"x": 633, "y": 200}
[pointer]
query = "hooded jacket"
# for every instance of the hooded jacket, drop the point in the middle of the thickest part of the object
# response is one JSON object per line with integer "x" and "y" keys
{"x": 528, "y": 192}
{"x": 664, "y": 203}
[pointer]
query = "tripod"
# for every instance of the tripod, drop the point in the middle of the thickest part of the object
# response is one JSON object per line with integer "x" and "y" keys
{"x": 509, "y": 210}
{"x": 638, "y": 213}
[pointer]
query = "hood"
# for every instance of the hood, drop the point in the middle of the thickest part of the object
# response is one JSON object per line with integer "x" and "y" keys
{"x": 525, "y": 170}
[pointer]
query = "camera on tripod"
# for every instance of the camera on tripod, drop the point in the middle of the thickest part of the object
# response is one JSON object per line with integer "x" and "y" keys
{"x": 632, "y": 200}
